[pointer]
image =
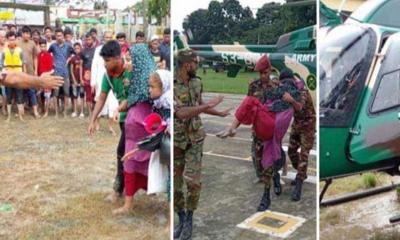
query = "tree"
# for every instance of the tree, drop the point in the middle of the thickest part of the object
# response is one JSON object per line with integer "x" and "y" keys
{"x": 158, "y": 9}
{"x": 196, "y": 24}
{"x": 227, "y": 21}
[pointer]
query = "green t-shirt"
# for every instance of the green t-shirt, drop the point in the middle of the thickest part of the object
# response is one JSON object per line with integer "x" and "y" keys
{"x": 118, "y": 88}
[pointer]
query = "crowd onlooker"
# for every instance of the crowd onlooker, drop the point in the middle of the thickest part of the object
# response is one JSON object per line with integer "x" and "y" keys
{"x": 76, "y": 59}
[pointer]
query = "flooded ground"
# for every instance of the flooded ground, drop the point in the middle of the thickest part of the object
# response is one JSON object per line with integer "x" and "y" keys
{"x": 366, "y": 218}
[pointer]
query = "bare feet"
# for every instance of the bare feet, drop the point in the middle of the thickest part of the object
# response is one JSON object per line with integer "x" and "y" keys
{"x": 121, "y": 211}
{"x": 112, "y": 131}
{"x": 45, "y": 115}
{"x": 229, "y": 132}
{"x": 112, "y": 197}
{"x": 128, "y": 205}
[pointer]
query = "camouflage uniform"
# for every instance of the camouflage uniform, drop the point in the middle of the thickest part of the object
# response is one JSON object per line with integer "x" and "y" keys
{"x": 257, "y": 90}
{"x": 189, "y": 137}
{"x": 302, "y": 135}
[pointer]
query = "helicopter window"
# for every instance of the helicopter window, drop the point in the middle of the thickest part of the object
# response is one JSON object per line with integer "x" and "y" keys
{"x": 344, "y": 65}
{"x": 387, "y": 94}
{"x": 390, "y": 8}
{"x": 387, "y": 89}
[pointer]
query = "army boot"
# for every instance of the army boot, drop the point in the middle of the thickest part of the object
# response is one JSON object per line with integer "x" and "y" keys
{"x": 265, "y": 201}
{"x": 296, "y": 194}
{"x": 187, "y": 226}
{"x": 179, "y": 227}
{"x": 277, "y": 183}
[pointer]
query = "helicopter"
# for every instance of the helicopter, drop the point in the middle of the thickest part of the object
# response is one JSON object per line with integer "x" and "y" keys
{"x": 294, "y": 50}
{"x": 359, "y": 85}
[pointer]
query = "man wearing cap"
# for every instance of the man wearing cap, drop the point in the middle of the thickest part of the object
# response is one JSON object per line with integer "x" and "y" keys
{"x": 189, "y": 137}
{"x": 257, "y": 89}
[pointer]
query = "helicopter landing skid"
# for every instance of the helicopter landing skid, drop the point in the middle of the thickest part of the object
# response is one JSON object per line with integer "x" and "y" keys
{"x": 328, "y": 182}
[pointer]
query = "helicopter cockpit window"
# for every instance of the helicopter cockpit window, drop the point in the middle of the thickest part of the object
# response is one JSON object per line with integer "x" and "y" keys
{"x": 345, "y": 58}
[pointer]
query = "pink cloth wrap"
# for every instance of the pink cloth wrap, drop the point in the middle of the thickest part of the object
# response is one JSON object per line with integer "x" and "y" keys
{"x": 135, "y": 132}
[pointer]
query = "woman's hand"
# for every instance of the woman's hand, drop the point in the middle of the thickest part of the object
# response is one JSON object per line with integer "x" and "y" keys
{"x": 225, "y": 113}
{"x": 129, "y": 154}
{"x": 288, "y": 98}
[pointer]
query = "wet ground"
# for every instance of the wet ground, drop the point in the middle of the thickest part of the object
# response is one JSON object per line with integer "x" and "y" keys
{"x": 229, "y": 192}
{"x": 365, "y": 218}
{"x": 53, "y": 179}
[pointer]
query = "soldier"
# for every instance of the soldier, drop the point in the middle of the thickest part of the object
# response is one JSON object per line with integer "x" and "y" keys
{"x": 257, "y": 89}
{"x": 302, "y": 136}
{"x": 189, "y": 137}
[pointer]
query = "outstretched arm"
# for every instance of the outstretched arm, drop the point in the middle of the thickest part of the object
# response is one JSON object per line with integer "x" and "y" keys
{"x": 24, "y": 81}
{"x": 189, "y": 112}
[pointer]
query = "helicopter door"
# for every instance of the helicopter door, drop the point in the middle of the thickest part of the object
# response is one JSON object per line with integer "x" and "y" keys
{"x": 375, "y": 136}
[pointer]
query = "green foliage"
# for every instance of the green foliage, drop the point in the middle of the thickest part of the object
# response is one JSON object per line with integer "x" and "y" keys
{"x": 227, "y": 21}
{"x": 158, "y": 9}
{"x": 369, "y": 180}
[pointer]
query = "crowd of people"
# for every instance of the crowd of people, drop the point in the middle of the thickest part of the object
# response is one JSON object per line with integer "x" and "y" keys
{"x": 76, "y": 59}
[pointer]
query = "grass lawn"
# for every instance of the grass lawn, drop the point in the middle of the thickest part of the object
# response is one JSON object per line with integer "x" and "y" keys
{"x": 220, "y": 82}
{"x": 54, "y": 178}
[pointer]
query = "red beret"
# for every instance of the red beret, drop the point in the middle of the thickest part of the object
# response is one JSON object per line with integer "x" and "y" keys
{"x": 263, "y": 64}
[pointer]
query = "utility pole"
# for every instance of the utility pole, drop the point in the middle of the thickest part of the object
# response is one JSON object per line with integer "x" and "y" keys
{"x": 145, "y": 20}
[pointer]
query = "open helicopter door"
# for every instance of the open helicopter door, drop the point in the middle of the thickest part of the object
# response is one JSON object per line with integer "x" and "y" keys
{"x": 375, "y": 136}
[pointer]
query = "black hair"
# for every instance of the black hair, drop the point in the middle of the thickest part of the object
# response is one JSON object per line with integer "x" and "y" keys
{"x": 48, "y": 27}
{"x": 121, "y": 35}
{"x": 139, "y": 34}
{"x": 77, "y": 44}
{"x": 11, "y": 34}
{"x": 167, "y": 31}
{"x": 68, "y": 31}
{"x": 110, "y": 49}
{"x": 93, "y": 30}
{"x": 42, "y": 41}
{"x": 26, "y": 29}
{"x": 59, "y": 30}
{"x": 35, "y": 31}
{"x": 88, "y": 35}
{"x": 19, "y": 33}
{"x": 286, "y": 73}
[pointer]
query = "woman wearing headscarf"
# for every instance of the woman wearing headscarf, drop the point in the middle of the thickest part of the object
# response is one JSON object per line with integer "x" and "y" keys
{"x": 139, "y": 107}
